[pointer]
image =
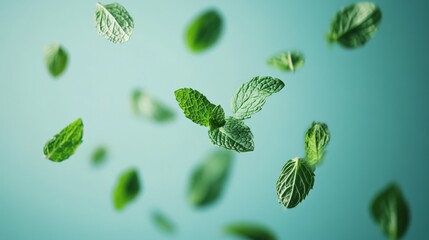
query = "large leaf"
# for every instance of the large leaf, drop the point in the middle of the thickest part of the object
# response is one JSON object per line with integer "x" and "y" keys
{"x": 113, "y": 22}
{"x": 287, "y": 61}
{"x": 127, "y": 189}
{"x": 354, "y": 25}
{"x": 251, "y": 96}
{"x": 195, "y": 105}
{"x": 145, "y": 105}
{"x": 234, "y": 135}
{"x": 55, "y": 59}
{"x": 295, "y": 182}
{"x": 64, "y": 144}
{"x": 250, "y": 231}
{"x": 208, "y": 179}
{"x": 316, "y": 140}
{"x": 390, "y": 210}
{"x": 204, "y": 31}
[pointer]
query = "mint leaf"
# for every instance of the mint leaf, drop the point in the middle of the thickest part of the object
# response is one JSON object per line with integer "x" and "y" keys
{"x": 209, "y": 177}
{"x": 295, "y": 182}
{"x": 55, "y": 59}
{"x": 145, "y": 105}
{"x": 195, "y": 106}
{"x": 250, "y": 231}
{"x": 162, "y": 222}
{"x": 217, "y": 118}
{"x": 287, "y": 61}
{"x": 64, "y": 144}
{"x": 99, "y": 155}
{"x": 204, "y": 31}
{"x": 234, "y": 135}
{"x": 251, "y": 96}
{"x": 127, "y": 189}
{"x": 113, "y": 22}
{"x": 316, "y": 140}
{"x": 355, "y": 25}
{"x": 390, "y": 210}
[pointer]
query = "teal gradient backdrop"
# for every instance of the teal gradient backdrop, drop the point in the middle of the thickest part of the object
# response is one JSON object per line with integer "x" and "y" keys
{"x": 374, "y": 100}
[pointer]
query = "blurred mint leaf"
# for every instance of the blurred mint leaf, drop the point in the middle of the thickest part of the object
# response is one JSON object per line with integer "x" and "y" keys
{"x": 316, "y": 140}
{"x": 195, "y": 106}
{"x": 99, "y": 155}
{"x": 234, "y": 135}
{"x": 65, "y": 143}
{"x": 251, "y": 96}
{"x": 204, "y": 31}
{"x": 113, "y": 22}
{"x": 287, "y": 61}
{"x": 145, "y": 105}
{"x": 250, "y": 231}
{"x": 295, "y": 182}
{"x": 56, "y": 59}
{"x": 162, "y": 222}
{"x": 126, "y": 189}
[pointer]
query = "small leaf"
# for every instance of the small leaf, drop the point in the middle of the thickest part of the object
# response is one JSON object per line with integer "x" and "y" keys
{"x": 354, "y": 25}
{"x": 127, "y": 189}
{"x": 162, "y": 222}
{"x": 251, "y": 96}
{"x": 195, "y": 105}
{"x": 209, "y": 178}
{"x": 65, "y": 143}
{"x": 148, "y": 107}
{"x": 390, "y": 210}
{"x": 55, "y": 59}
{"x": 295, "y": 182}
{"x": 234, "y": 135}
{"x": 316, "y": 140}
{"x": 217, "y": 118}
{"x": 99, "y": 155}
{"x": 204, "y": 31}
{"x": 250, "y": 231}
{"x": 287, "y": 61}
{"x": 113, "y": 22}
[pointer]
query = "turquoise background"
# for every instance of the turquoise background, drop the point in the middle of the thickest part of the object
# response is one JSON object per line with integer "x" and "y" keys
{"x": 374, "y": 100}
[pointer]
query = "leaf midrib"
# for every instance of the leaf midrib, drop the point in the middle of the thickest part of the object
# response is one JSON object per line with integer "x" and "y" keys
{"x": 116, "y": 21}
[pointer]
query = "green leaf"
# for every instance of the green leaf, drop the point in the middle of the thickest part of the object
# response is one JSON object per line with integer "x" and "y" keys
{"x": 234, "y": 135}
{"x": 208, "y": 179}
{"x": 55, "y": 59}
{"x": 113, "y": 22}
{"x": 287, "y": 61}
{"x": 251, "y": 96}
{"x": 162, "y": 222}
{"x": 217, "y": 118}
{"x": 99, "y": 155}
{"x": 354, "y": 25}
{"x": 250, "y": 231}
{"x": 204, "y": 31}
{"x": 127, "y": 189}
{"x": 64, "y": 144}
{"x": 316, "y": 140}
{"x": 295, "y": 182}
{"x": 145, "y": 105}
{"x": 195, "y": 105}
{"x": 390, "y": 210}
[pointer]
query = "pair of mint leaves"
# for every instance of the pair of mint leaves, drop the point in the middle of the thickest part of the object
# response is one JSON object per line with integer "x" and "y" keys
{"x": 229, "y": 132}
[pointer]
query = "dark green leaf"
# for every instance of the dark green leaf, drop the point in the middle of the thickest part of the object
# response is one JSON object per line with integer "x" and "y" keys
{"x": 195, "y": 105}
{"x": 204, "y": 31}
{"x": 217, "y": 118}
{"x": 234, "y": 135}
{"x": 127, "y": 189}
{"x": 145, "y": 105}
{"x": 55, "y": 59}
{"x": 250, "y": 231}
{"x": 316, "y": 140}
{"x": 162, "y": 222}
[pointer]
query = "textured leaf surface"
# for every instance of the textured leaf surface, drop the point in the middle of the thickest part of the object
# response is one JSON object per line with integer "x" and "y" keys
{"x": 354, "y": 25}
{"x": 55, "y": 59}
{"x": 234, "y": 135}
{"x": 251, "y": 96}
{"x": 99, "y": 155}
{"x": 145, "y": 105}
{"x": 287, "y": 61}
{"x": 250, "y": 231}
{"x": 316, "y": 140}
{"x": 204, "y": 31}
{"x": 127, "y": 189}
{"x": 162, "y": 222}
{"x": 390, "y": 210}
{"x": 113, "y": 22}
{"x": 217, "y": 118}
{"x": 208, "y": 179}
{"x": 295, "y": 182}
{"x": 195, "y": 105}
{"x": 65, "y": 143}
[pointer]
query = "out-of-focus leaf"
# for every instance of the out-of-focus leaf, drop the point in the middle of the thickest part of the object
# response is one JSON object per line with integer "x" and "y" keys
{"x": 99, "y": 155}
{"x": 145, "y": 105}
{"x": 204, "y": 31}
{"x": 127, "y": 189}
{"x": 162, "y": 222}
{"x": 250, "y": 231}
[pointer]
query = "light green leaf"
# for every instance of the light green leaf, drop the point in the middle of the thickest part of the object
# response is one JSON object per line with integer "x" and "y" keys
{"x": 390, "y": 210}
{"x": 127, "y": 189}
{"x": 113, "y": 22}
{"x": 204, "y": 31}
{"x": 316, "y": 140}
{"x": 250, "y": 231}
{"x": 145, "y": 105}
{"x": 195, "y": 105}
{"x": 295, "y": 182}
{"x": 234, "y": 135}
{"x": 162, "y": 222}
{"x": 354, "y": 25}
{"x": 287, "y": 61}
{"x": 251, "y": 96}
{"x": 55, "y": 59}
{"x": 208, "y": 179}
{"x": 217, "y": 118}
{"x": 65, "y": 143}
{"x": 99, "y": 155}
